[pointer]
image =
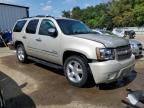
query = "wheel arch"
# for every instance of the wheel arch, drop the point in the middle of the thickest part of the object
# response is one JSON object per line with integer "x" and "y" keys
{"x": 69, "y": 53}
{"x": 17, "y": 43}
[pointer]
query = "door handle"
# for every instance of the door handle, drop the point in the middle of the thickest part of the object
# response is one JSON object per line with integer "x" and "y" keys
{"x": 39, "y": 40}
{"x": 24, "y": 37}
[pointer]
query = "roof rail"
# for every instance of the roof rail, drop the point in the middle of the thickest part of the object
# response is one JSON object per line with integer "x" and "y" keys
{"x": 50, "y": 16}
{"x": 39, "y": 16}
{"x": 44, "y": 16}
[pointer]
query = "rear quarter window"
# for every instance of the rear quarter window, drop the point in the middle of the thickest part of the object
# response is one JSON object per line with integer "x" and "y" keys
{"x": 19, "y": 26}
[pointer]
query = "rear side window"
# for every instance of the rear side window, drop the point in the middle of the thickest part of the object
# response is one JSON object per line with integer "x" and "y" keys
{"x": 19, "y": 26}
{"x": 31, "y": 27}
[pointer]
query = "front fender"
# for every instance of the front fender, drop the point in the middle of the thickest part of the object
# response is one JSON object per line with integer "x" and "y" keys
{"x": 84, "y": 46}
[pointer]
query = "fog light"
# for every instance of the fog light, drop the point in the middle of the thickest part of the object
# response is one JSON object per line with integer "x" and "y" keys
{"x": 112, "y": 76}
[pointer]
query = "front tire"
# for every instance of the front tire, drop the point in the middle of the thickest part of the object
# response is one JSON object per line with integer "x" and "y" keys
{"x": 21, "y": 53}
{"x": 76, "y": 70}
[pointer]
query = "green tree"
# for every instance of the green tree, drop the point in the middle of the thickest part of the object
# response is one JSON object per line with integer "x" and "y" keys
{"x": 66, "y": 14}
{"x": 117, "y": 13}
{"x": 139, "y": 14}
{"x": 76, "y": 13}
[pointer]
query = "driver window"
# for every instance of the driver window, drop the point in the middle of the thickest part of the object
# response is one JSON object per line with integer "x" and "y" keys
{"x": 45, "y": 25}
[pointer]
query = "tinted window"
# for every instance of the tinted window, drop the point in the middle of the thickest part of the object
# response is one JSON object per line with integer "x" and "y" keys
{"x": 32, "y": 25}
{"x": 18, "y": 27}
{"x": 45, "y": 25}
{"x": 70, "y": 27}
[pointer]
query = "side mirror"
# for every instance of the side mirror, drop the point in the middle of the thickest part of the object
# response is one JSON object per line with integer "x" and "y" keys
{"x": 52, "y": 32}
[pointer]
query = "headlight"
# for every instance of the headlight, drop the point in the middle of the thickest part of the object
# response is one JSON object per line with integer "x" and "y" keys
{"x": 133, "y": 45}
{"x": 105, "y": 54}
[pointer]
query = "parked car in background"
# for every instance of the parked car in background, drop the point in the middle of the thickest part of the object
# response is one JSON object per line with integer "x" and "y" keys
{"x": 136, "y": 46}
{"x": 129, "y": 34}
{"x": 124, "y": 33}
{"x": 118, "y": 32}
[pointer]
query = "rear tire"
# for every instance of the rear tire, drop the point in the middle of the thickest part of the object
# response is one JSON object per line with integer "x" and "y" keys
{"x": 21, "y": 53}
{"x": 77, "y": 71}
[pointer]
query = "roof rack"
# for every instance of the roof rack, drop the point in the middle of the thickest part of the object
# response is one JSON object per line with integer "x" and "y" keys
{"x": 50, "y": 16}
{"x": 39, "y": 16}
{"x": 44, "y": 16}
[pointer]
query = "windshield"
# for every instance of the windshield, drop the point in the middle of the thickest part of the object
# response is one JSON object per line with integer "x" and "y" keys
{"x": 73, "y": 27}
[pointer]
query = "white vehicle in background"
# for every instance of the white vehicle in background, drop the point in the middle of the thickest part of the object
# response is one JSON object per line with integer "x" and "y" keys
{"x": 136, "y": 46}
{"x": 130, "y": 34}
{"x": 118, "y": 32}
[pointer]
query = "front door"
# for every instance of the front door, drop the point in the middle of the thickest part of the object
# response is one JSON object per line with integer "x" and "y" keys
{"x": 49, "y": 45}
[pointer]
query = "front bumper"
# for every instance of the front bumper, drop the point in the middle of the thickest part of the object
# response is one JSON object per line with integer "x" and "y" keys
{"x": 109, "y": 71}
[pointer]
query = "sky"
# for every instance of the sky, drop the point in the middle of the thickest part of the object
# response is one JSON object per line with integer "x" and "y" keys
{"x": 52, "y": 7}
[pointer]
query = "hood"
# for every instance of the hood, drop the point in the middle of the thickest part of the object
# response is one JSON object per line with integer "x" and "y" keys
{"x": 133, "y": 41}
{"x": 109, "y": 41}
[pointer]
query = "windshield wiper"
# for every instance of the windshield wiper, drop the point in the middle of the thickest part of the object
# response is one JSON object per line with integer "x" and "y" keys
{"x": 76, "y": 33}
{"x": 81, "y": 32}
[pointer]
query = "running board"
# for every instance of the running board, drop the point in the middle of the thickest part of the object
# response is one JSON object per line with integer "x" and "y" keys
{"x": 45, "y": 63}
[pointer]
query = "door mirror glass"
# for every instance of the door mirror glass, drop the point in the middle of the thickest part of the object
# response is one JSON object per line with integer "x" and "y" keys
{"x": 52, "y": 32}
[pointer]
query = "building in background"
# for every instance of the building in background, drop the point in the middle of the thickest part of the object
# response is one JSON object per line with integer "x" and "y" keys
{"x": 9, "y": 14}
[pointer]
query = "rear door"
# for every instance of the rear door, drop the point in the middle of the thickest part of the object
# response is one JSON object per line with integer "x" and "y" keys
{"x": 31, "y": 38}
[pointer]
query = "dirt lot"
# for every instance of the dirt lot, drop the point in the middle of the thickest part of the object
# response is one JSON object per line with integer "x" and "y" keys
{"x": 140, "y": 38}
{"x": 36, "y": 86}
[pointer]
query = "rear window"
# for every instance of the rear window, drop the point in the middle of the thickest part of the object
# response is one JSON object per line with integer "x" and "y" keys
{"x": 19, "y": 26}
{"x": 31, "y": 27}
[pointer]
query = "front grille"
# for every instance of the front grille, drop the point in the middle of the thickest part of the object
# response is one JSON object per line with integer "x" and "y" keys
{"x": 123, "y": 52}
